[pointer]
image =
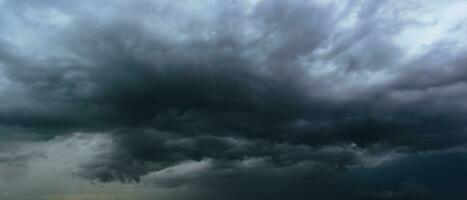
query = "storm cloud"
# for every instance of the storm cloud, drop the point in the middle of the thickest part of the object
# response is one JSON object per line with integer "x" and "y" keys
{"x": 314, "y": 98}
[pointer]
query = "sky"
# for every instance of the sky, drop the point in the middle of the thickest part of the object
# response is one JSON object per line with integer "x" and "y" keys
{"x": 233, "y": 99}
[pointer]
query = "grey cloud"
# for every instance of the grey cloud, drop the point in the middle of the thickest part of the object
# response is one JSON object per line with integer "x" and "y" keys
{"x": 17, "y": 158}
{"x": 226, "y": 81}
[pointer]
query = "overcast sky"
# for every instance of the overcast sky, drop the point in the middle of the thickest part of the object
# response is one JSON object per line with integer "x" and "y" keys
{"x": 233, "y": 99}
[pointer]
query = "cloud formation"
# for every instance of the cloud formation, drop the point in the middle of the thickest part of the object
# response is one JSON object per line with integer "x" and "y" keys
{"x": 213, "y": 94}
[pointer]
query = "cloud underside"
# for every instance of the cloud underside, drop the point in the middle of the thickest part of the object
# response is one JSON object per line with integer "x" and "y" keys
{"x": 238, "y": 93}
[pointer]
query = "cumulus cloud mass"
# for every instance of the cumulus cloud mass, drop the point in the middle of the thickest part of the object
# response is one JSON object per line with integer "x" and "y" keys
{"x": 233, "y": 99}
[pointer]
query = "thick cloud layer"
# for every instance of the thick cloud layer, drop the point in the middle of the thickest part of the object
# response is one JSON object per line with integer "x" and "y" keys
{"x": 194, "y": 93}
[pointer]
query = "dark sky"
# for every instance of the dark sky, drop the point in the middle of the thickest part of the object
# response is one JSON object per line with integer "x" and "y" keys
{"x": 233, "y": 99}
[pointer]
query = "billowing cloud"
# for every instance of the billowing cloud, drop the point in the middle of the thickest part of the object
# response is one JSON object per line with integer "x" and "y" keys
{"x": 210, "y": 95}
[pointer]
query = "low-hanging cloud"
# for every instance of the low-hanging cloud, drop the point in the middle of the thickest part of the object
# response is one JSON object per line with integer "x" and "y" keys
{"x": 236, "y": 88}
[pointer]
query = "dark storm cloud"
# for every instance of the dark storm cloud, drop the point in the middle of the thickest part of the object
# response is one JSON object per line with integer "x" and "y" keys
{"x": 422, "y": 176}
{"x": 130, "y": 161}
{"x": 225, "y": 82}
{"x": 137, "y": 78}
{"x": 261, "y": 182}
